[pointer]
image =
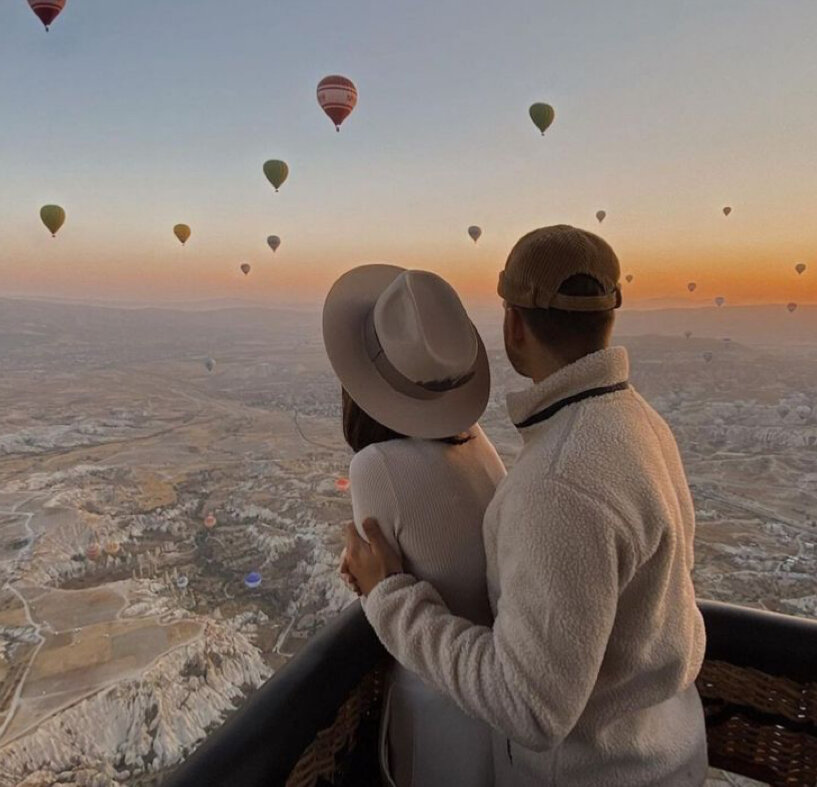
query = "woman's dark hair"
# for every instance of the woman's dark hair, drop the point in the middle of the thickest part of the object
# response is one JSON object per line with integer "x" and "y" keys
{"x": 360, "y": 429}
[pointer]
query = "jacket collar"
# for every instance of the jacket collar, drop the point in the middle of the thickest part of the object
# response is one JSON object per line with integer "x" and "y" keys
{"x": 599, "y": 369}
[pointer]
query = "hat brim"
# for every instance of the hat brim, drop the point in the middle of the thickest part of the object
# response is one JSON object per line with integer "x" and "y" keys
{"x": 345, "y": 311}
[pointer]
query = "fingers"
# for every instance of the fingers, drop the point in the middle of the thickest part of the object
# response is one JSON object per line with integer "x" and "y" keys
{"x": 374, "y": 534}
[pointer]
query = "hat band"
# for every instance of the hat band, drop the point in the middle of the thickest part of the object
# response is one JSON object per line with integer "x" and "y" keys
{"x": 396, "y": 379}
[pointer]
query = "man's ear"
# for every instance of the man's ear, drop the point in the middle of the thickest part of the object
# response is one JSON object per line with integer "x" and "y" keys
{"x": 517, "y": 329}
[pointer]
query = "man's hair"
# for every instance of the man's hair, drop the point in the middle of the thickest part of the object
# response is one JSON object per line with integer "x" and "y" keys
{"x": 571, "y": 335}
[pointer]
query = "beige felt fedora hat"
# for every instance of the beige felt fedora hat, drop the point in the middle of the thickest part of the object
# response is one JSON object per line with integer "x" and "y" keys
{"x": 402, "y": 345}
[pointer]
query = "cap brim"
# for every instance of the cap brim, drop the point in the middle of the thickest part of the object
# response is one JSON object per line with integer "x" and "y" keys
{"x": 347, "y": 306}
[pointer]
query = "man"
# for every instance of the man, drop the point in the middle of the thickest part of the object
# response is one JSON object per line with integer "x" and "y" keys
{"x": 587, "y": 674}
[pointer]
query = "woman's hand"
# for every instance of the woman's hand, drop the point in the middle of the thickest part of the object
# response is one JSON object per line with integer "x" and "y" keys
{"x": 369, "y": 564}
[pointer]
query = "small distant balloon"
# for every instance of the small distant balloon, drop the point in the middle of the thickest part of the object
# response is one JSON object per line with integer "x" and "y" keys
{"x": 719, "y": 301}
{"x": 181, "y": 582}
{"x": 252, "y": 580}
{"x": 707, "y": 356}
{"x": 342, "y": 484}
{"x": 276, "y": 172}
{"x": 600, "y": 215}
{"x": 542, "y": 116}
{"x": 800, "y": 267}
{"x": 337, "y": 96}
{"x": 791, "y": 307}
{"x": 53, "y": 216}
{"x": 274, "y": 242}
{"x": 245, "y": 268}
{"x": 691, "y": 286}
{"x": 687, "y": 334}
{"x": 727, "y": 210}
{"x": 47, "y": 10}
{"x": 182, "y": 232}
{"x": 92, "y": 551}
{"x": 474, "y": 232}
{"x": 210, "y": 521}
{"x": 783, "y": 410}
{"x": 726, "y": 339}
{"x": 803, "y": 412}
{"x": 629, "y": 277}
{"x": 112, "y": 547}
{"x": 210, "y": 363}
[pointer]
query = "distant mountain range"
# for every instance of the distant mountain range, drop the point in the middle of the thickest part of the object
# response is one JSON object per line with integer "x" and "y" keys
{"x": 766, "y": 325}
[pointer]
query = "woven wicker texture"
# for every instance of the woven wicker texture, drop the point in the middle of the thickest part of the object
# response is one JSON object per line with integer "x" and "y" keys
{"x": 760, "y": 725}
{"x": 321, "y": 760}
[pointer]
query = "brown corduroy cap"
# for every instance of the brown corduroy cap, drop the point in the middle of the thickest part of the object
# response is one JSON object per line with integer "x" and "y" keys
{"x": 541, "y": 261}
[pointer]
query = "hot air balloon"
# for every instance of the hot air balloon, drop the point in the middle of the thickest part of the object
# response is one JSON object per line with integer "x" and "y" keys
{"x": 629, "y": 277}
{"x": 92, "y": 551}
{"x": 210, "y": 521}
{"x": 210, "y": 363}
{"x": 274, "y": 242}
{"x": 337, "y": 96}
{"x": 47, "y": 10}
{"x": 276, "y": 172}
{"x": 720, "y": 300}
{"x": 783, "y": 410}
{"x": 245, "y": 268}
{"x": 342, "y": 484}
{"x": 542, "y": 115}
{"x": 53, "y": 216}
{"x": 252, "y": 580}
{"x": 691, "y": 286}
{"x": 803, "y": 412}
{"x": 707, "y": 356}
{"x": 800, "y": 267}
{"x": 181, "y": 582}
{"x": 791, "y": 307}
{"x": 687, "y": 334}
{"x": 474, "y": 232}
{"x": 182, "y": 232}
{"x": 112, "y": 547}
{"x": 600, "y": 214}
{"x": 727, "y": 210}
{"x": 726, "y": 339}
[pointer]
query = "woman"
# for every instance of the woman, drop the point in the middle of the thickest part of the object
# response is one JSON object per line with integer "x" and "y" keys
{"x": 415, "y": 380}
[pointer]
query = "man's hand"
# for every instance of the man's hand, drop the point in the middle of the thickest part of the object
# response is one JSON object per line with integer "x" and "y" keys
{"x": 369, "y": 563}
{"x": 345, "y": 575}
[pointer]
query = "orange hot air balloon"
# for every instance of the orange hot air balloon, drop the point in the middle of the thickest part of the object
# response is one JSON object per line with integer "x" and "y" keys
{"x": 47, "y": 10}
{"x": 342, "y": 484}
{"x": 112, "y": 547}
{"x": 92, "y": 551}
{"x": 210, "y": 521}
{"x": 245, "y": 268}
{"x": 337, "y": 96}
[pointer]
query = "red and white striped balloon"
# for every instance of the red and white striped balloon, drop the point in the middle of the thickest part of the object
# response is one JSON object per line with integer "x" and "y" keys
{"x": 47, "y": 10}
{"x": 337, "y": 96}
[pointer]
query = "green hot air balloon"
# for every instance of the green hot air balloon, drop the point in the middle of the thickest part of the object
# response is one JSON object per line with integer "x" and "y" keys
{"x": 276, "y": 172}
{"x": 182, "y": 232}
{"x": 53, "y": 217}
{"x": 542, "y": 115}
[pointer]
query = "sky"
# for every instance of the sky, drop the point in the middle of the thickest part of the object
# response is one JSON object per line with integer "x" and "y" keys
{"x": 137, "y": 116}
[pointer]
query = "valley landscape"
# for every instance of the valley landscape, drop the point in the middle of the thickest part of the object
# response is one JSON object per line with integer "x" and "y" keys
{"x": 169, "y": 535}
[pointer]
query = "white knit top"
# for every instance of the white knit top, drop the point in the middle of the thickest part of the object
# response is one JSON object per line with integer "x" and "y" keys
{"x": 429, "y": 498}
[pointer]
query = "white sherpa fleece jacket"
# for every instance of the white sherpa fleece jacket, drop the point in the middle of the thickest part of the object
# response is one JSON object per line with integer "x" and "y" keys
{"x": 590, "y": 665}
